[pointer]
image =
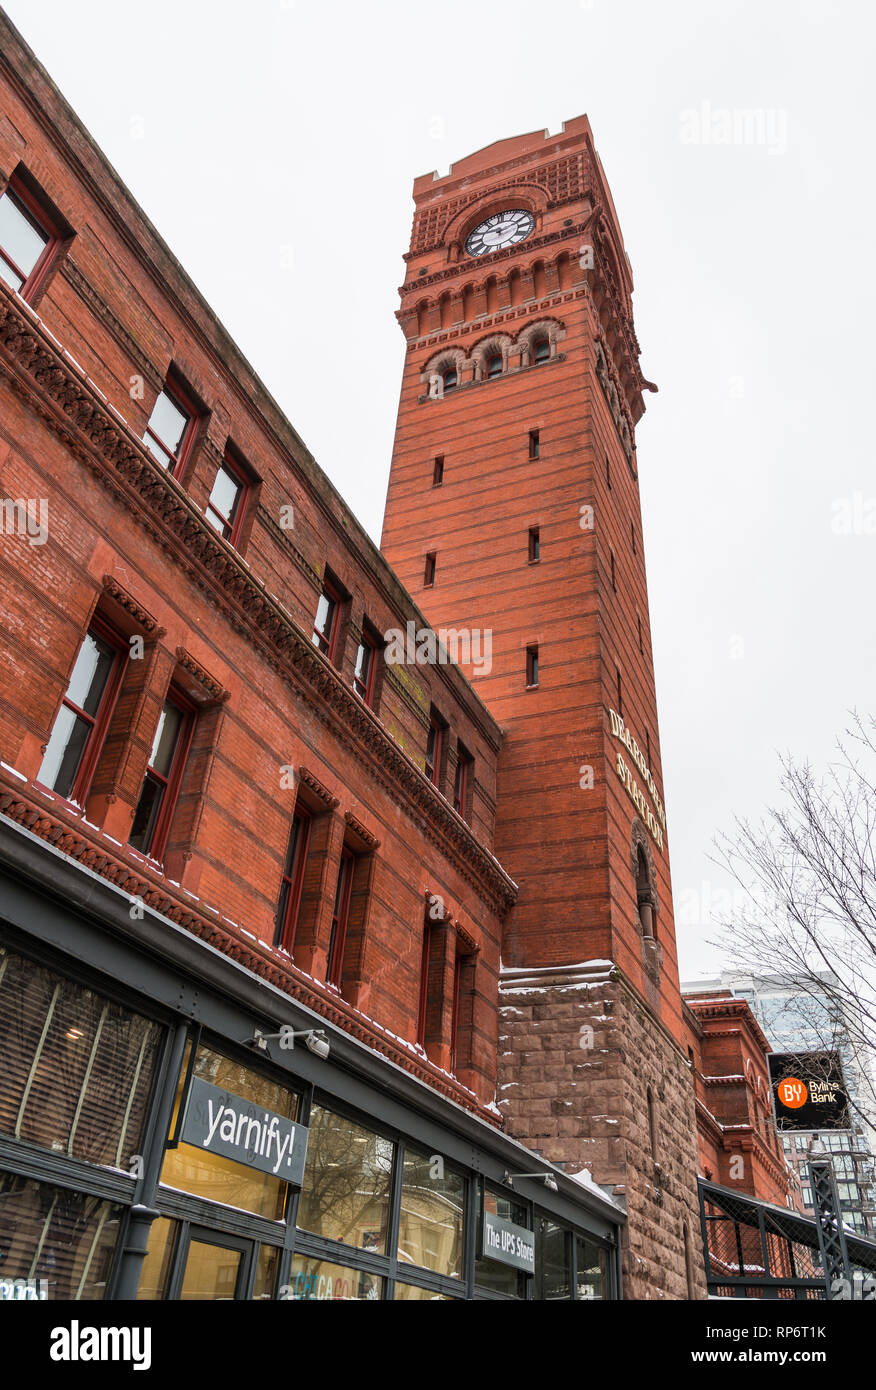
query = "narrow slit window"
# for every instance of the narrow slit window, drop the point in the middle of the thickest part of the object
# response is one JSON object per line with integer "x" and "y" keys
{"x": 429, "y": 572}
{"x": 438, "y": 471}
{"x": 433, "y": 749}
{"x": 461, "y": 781}
{"x": 534, "y": 545}
{"x": 340, "y": 918}
{"x": 532, "y": 666}
{"x": 292, "y": 879}
{"x": 161, "y": 783}
{"x": 365, "y": 669}
{"x": 534, "y": 444}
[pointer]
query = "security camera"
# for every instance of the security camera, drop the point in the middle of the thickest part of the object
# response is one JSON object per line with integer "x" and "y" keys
{"x": 317, "y": 1043}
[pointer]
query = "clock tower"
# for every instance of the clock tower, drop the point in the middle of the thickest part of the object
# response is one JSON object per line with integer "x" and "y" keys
{"x": 513, "y": 518}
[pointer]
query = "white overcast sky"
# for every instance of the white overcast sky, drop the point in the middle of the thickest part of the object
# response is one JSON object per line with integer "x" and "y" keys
{"x": 274, "y": 143}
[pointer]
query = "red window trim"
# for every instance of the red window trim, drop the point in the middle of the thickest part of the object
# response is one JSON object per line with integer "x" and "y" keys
{"x": 340, "y": 918}
{"x": 330, "y": 591}
{"x": 101, "y": 721}
{"x": 46, "y": 224}
{"x": 161, "y": 829}
{"x": 182, "y": 399}
{"x": 434, "y": 727}
{"x": 238, "y": 516}
{"x": 293, "y": 880}
{"x": 460, "y": 783}
{"x": 428, "y": 929}
{"x": 367, "y": 695}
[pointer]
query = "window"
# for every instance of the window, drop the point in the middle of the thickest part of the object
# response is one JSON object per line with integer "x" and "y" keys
{"x": 541, "y": 350}
{"x": 608, "y": 472}
{"x": 81, "y": 723}
{"x": 613, "y": 576}
{"x": 490, "y": 1274}
{"x": 438, "y": 471}
{"x": 226, "y": 507}
{"x": 429, "y": 572}
{"x": 426, "y": 960}
{"x": 365, "y": 668}
{"x": 164, "y": 770}
{"x": 639, "y": 626}
{"x": 461, "y": 781}
{"x": 534, "y": 545}
{"x": 293, "y": 877}
{"x": 340, "y": 919}
{"x": 494, "y": 364}
{"x": 620, "y": 697}
{"x": 644, "y": 894}
{"x": 553, "y": 1272}
{"x": 449, "y": 379}
{"x": 633, "y": 534}
{"x": 433, "y": 749}
{"x": 26, "y": 241}
{"x": 648, "y": 746}
{"x": 347, "y": 1184}
{"x": 325, "y": 624}
{"x": 531, "y": 667}
{"x": 534, "y": 444}
{"x": 431, "y": 1221}
{"x": 170, "y": 430}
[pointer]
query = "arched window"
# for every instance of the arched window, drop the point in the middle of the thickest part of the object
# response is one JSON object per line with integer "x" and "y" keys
{"x": 644, "y": 896}
{"x": 449, "y": 379}
{"x": 494, "y": 364}
{"x": 541, "y": 350}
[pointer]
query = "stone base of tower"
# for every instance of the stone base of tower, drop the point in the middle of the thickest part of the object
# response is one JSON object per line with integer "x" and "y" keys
{"x": 579, "y": 1056}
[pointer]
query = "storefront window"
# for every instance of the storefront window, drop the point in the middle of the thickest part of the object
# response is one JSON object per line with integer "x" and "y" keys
{"x": 414, "y": 1291}
{"x": 347, "y": 1181}
{"x": 432, "y": 1210}
{"x": 490, "y": 1274}
{"x": 266, "y": 1271}
{"x": 553, "y": 1275}
{"x": 211, "y": 1175}
{"x": 155, "y": 1274}
{"x": 317, "y": 1279}
{"x": 77, "y": 1069}
{"x": 592, "y": 1269}
{"x": 54, "y": 1235}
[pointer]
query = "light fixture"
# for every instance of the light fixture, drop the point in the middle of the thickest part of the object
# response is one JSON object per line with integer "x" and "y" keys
{"x": 315, "y": 1040}
{"x": 74, "y": 1034}
{"x": 547, "y": 1178}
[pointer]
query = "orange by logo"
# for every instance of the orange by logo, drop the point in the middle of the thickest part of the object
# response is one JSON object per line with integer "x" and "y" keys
{"x": 792, "y": 1092}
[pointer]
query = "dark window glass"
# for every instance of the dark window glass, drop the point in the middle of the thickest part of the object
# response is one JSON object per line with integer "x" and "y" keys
{"x": 81, "y": 721}
{"x": 432, "y": 1212}
{"x": 534, "y": 545}
{"x": 167, "y": 430}
{"x": 224, "y": 503}
{"x": 61, "y": 1239}
{"x": 541, "y": 350}
{"x": 347, "y": 1182}
{"x": 429, "y": 572}
{"x": 293, "y": 876}
{"x": 433, "y": 750}
{"x": 534, "y": 444}
{"x": 460, "y": 783}
{"x": 494, "y": 365}
{"x": 340, "y": 918}
{"x": 438, "y": 472}
{"x": 553, "y": 1275}
{"x": 22, "y": 241}
{"x": 449, "y": 378}
{"x": 532, "y": 665}
{"x": 160, "y": 785}
{"x": 591, "y": 1274}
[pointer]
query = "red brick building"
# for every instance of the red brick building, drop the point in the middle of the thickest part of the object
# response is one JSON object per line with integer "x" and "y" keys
{"x": 227, "y": 823}
{"x": 738, "y": 1143}
{"x": 513, "y": 511}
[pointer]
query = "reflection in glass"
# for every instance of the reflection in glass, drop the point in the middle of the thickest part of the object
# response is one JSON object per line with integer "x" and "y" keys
{"x": 591, "y": 1271}
{"x": 491, "y": 1274}
{"x": 345, "y": 1195}
{"x": 317, "y": 1279}
{"x": 553, "y": 1276}
{"x": 211, "y": 1271}
{"x": 155, "y": 1274}
{"x": 21, "y": 242}
{"x": 432, "y": 1210}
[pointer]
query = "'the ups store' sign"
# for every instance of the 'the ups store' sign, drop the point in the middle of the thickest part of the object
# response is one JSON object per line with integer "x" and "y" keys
{"x": 226, "y": 1124}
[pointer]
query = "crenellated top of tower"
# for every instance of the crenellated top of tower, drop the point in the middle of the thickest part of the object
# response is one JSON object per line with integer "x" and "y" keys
{"x": 516, "y": 208}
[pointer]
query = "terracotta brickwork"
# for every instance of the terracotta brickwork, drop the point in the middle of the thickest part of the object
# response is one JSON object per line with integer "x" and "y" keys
{"x": 277, "y": 724}
{"x": 522, "y": 375}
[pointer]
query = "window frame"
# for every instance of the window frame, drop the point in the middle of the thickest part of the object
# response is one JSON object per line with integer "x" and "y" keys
{"x": 334, "y": 966}
{"x": 464, "y": 763}
{"x": 331, "y": 592}
{"x": 160, "y": 831}
{"x": 489, "y": 373}
{"x": 532, "y": 666}
{"x": 438, "y": 471}
{"x": 430, "y": 568}
{"x": 100, "y": 722}
{"x": 44, "y": 223}
{"x": 184, "y": 402}
{"x": 369, "y": 644}
{"x": 535, "y": 444}
{"x": 449, "y": 386}
{"x": 435, "y": 737}
{"x": 537, "y": 343}
{"x": 292, "y": 879}
{"x": 234, "y": 523}
{"x": 534, "y": 545}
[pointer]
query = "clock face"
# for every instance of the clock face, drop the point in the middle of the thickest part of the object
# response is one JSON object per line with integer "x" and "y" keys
{"x": 502, "y": 229}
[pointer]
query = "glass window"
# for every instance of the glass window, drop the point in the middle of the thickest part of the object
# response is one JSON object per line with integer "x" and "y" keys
{"x": 267, "y": 1265}
{"x": 460, "y": 782}
{"x": 365, "y": 669}
{"x": 155, "y": 1274}
{"x": 490, "y": 1274}
{"x": 541, "y": 350}
{"x": 293, "y": 877}
{"x": 553, "y": 1275}
{"x": 340, "y": 919}
{"x": 161, "y": 783}
{"x": 433, "y": 750}
{"x": 415, "y": 1291}
{"x": 77, "y": 1069}
{"x": 52, "y": 1234}
{"x": 22, "y": 241}
{"x": 317, "y": 1279}
{"x": 494, "y": 365}
{"x": 532, "y": 666}
{"x": 347, "y": 1182}
{"x": 224, "y": 504}
{"x": 429, "y": 570}
{"x": 591, "y": 1274}
{"x": 450, "y": 379}
{"x": 81, "y": 721}
{"x": 325, "y": 622}
{"x": 432, "y": 1211}
{"x": 534, "y": 545}
{"x": 220, "y": 1179}
{"x": 167, "y": 429}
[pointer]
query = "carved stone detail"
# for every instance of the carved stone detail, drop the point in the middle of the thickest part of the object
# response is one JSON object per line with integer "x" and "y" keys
{"x": 214, "y": 690}
{"x": 318, "y": 788}
{"x": 135, "y": 610}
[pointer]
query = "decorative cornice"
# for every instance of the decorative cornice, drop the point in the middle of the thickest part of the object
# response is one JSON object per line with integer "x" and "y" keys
{"x": 54, "y": 385}
{"x": 213, "y": 689}
{"x": 129, "y": 871}
{"x": 135, "y": 610}
{"x": 318, "y": 788}
{"x": 361, "y": 830}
